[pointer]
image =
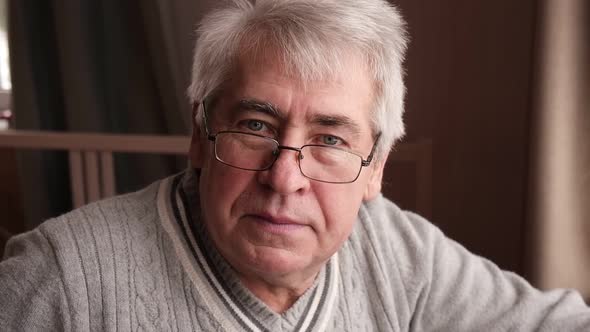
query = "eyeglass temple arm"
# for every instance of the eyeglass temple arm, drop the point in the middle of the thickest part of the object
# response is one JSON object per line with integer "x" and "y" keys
{"x": 205, "y": 124}
{"x": 367, "y": 162}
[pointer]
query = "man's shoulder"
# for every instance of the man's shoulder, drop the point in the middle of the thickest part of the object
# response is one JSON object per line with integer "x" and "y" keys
{"x": 114, "y": 212}
{"x": 73, "y": 265}
{"x": 113, "y": 226}
{"x": 390, "y": 250}
{"x": 120, "y": 226}
{"x": 385, "y": 221}
{"x": 400, "y": 242}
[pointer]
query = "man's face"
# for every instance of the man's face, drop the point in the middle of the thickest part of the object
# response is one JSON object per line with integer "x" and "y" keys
{"x": 277, "y": 224}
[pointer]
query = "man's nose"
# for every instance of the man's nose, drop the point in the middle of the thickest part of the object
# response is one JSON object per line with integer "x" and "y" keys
{"x": 285, "y": 177}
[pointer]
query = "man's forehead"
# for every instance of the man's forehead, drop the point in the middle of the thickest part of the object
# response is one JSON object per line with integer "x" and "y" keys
{"x": 343, "y": 99}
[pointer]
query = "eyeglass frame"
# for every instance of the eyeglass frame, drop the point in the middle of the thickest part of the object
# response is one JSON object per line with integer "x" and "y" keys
{"x": 213, "y": 138}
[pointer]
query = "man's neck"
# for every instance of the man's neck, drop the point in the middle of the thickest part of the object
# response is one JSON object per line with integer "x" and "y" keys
{"x": 277, "y": 298}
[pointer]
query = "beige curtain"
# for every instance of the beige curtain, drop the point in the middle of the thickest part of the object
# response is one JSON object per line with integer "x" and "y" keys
{"x": 559, "y": 208}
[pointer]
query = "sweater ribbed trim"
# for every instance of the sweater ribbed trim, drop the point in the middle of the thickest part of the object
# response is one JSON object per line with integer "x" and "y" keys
{"x": 230, "y": 280}
{"x": 215, "y": 280}
{"x": 187, "y": 258}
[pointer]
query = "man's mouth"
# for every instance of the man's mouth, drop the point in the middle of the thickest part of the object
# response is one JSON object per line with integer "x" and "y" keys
{"x": 275, "y": 224}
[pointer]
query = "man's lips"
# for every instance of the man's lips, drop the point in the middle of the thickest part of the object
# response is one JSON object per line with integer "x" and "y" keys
{"x": 283, "y": 220}
{"x": 275, "y": 224}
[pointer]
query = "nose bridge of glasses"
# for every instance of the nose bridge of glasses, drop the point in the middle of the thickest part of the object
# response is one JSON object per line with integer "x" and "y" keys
{"x": 286, "y": 147}
{"x": 277, "y": 154}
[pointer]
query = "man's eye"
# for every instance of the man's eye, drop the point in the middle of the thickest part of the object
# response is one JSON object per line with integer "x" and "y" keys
{"x": 331, "y": 140}
{"x": 255, "y": 125}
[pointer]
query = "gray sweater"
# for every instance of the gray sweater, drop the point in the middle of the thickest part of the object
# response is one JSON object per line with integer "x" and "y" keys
{"x": 144, "y": 261}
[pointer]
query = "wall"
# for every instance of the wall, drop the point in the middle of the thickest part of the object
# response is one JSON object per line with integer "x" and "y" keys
{"x": 469, "y": 85}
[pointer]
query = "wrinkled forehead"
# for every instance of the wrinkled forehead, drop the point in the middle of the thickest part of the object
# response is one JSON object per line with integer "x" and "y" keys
{"x": 312, "y": 75}
{"x": 264, "y": 85}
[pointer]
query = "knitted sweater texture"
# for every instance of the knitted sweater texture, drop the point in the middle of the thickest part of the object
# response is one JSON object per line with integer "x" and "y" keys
{"x": 143, "y": 261}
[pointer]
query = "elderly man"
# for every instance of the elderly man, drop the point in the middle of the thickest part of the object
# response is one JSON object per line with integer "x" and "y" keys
{"x": 279, "y": 224}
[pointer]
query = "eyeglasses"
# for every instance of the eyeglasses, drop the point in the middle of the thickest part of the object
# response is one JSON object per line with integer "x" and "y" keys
{"x": 253, "y": 152}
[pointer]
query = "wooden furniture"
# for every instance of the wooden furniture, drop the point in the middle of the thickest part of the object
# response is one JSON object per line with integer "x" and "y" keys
{"x": 91, "y": 155}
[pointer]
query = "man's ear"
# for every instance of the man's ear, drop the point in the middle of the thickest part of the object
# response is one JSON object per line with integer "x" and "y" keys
{"x": 373, "y": 187}
{"x": 196, "y": 148}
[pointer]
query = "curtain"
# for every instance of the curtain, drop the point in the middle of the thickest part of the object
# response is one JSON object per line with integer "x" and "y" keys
{"x": 559, "y": 190}
{"x": 98, "y": 66}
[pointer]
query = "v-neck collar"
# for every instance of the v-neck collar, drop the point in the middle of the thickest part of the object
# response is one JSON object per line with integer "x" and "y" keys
{"x": 216, "y": 280}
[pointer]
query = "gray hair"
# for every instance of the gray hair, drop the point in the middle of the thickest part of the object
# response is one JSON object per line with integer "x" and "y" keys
{"x": 311, "y": 38}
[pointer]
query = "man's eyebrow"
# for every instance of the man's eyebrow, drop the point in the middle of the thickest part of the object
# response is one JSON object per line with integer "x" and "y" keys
{"x": 324, "y": 120}
{"x": 261, "y": 106}
{"x": 343, "y": 121}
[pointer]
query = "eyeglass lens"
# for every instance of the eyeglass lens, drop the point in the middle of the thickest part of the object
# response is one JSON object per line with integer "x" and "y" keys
{"x": 252, "y": 152}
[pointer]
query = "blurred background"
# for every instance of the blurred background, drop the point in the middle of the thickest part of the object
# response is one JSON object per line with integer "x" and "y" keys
{"x": 498, "y": 105}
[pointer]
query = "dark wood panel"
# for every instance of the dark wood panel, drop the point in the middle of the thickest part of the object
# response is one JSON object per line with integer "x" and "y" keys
{"x": 468, "y": 75}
